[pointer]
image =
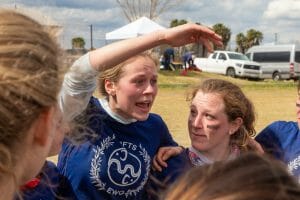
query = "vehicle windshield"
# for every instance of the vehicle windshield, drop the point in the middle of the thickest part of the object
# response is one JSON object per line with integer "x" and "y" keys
{"x": 237, "y": 56}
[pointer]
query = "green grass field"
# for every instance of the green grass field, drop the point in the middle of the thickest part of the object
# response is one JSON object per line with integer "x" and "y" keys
{"x": 272, "y": 100}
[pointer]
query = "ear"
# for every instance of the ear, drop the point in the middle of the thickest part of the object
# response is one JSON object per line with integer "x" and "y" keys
{"x": 42, "y": 127}
{"x": 235, "y": 125}
{"x": 110, "y": 87}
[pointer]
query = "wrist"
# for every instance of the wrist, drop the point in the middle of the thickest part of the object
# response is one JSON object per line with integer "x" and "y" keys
{"x": 160, "y": 37}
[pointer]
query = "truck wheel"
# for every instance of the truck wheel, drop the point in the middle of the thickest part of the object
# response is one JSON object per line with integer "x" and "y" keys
{"x": 230, "y": 72}
{"x": 276, "y": 76}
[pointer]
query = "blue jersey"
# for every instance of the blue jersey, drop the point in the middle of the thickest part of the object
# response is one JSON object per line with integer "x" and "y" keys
{"x": 282, "y": 139}
{"x": 51, "y": 186}
{"x": 115, "y": 164}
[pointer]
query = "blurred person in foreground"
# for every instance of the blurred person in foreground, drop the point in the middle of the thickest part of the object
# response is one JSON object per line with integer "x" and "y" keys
{"x": 248, "y": 177}
{"x": 31, "y": 122}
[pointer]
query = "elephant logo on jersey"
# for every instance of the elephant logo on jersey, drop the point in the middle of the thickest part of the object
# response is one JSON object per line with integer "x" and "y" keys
{"x": 127, "y": 174}
{"x": 120, "y": 168}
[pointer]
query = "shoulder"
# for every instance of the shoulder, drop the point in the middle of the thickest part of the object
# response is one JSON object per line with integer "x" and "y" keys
{"x": 154, "y": 116}
{"x": 280, "y": 127}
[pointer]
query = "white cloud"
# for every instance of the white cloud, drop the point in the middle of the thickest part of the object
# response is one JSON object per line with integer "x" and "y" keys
{"x": 281, "y": 17}
{"x": 286, "y": 9}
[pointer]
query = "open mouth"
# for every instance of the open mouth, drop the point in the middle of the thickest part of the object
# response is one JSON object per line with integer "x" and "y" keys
{"x": 144, "y": 106}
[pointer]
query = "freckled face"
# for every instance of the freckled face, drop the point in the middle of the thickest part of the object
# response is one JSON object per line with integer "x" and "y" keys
{"x": 136, "y": 89}
{"x": 208, "y": 124}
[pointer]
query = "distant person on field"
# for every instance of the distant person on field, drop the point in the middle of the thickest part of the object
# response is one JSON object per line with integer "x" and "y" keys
{"x": 248, "y": 177}
{"x": 168, "y": 58}
{"x": 282, "y": 139}
{"x": 187, "y": 60}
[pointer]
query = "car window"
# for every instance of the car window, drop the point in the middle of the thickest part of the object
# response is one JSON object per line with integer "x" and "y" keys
{"x": 214, "y": 55}
{"x": 283, "y": 56}
{"x": 248, "y": 55}
{"x": 297, "y": 56}
{"x": 237, "y": 56}
{"x": 222, "y": 56}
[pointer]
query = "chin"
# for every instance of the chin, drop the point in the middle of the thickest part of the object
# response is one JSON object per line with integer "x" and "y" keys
{"x": 199, "y": 147}
{"x": 142, "y": 117}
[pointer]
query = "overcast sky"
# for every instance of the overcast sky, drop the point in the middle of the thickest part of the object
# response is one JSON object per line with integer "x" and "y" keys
{"x": 271, "y": 17}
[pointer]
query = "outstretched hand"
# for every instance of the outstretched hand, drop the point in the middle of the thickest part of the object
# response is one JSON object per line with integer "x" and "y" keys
{"x": 191, "y": 33}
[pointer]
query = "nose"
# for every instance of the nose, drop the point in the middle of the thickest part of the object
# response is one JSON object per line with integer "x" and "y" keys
{"x": 150, "y": 88}
{"x": 197, "y": 121}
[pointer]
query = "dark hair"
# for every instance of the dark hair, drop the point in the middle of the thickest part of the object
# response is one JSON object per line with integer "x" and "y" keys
{"x": 250, "y": 176}
{"x": 236, "y": 105}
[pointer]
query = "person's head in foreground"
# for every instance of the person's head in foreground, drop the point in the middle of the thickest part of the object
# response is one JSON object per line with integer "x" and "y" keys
{"x": 30, "y": 80}
{"x": 248, "y": 177}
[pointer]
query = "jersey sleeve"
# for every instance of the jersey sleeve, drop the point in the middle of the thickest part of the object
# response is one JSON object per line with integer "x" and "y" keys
{"x": 78, "y": 86}
{"x": 270, "y": 141}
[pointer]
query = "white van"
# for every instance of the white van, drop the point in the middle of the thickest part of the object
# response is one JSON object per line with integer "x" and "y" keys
{"x": 277, "y": 61}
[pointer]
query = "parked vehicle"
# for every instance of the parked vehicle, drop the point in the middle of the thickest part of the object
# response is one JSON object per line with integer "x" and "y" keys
{"x": 229, "y": 63}
{"x": 277, "y": 61}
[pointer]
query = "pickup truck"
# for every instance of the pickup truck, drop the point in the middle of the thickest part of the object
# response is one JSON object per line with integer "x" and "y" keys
{"x": 229, "y": 63}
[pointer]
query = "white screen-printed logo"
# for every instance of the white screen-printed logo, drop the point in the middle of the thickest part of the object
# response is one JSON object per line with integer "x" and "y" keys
{"x": 126, "y": 165}
{"x": 293, "y": 166}
{"x": 127, "y": 173}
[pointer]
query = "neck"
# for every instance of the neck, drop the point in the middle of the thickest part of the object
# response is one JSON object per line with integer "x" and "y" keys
{"x": 108, "y": 108}
{"x": 216, "y": 154}
{"x": 7, "y": 189}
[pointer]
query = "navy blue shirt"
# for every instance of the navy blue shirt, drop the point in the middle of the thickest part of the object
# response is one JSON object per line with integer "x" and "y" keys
{"x": 51, "y": 186}
{"x": 115, "y": 164}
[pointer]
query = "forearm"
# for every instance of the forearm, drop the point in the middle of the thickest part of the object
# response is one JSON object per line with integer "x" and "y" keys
{"x": 118, "y": 52}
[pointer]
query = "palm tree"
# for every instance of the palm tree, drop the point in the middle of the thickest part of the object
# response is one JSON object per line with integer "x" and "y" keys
{"x": 241, "y": 42}
{"x": 254, "y": 37}
{"x": 176, "y": 22}
{"x": 78, "y": 43}
{"x": 223, "y": 31}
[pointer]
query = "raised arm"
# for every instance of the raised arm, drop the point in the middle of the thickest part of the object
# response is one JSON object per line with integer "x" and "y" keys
{"x": 80, "y": 82}
{"x": 117, "y": 52}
